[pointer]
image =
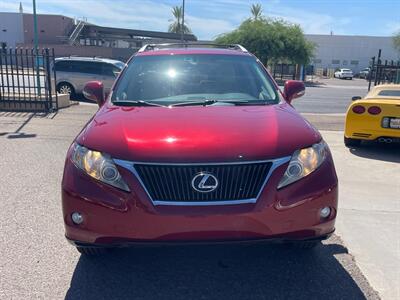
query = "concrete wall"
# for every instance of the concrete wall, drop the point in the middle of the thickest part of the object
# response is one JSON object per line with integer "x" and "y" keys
{"x": 52, "y": 29}
{"x": 11, "y": 29}
{"x": 353, "y": 52}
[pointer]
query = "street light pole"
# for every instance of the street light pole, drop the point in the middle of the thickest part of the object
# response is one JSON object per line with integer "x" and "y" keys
{"x": 183, "y": 20}
{"x": 36, "y": 46}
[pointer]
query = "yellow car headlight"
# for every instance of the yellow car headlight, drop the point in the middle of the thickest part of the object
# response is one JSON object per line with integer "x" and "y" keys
{"x": 304, "y": 162}
{"x": 98, "y": 165}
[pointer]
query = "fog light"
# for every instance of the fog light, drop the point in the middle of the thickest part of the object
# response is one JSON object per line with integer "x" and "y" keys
{"x": 325, "y": 212}
{"x": 77, "y": 218}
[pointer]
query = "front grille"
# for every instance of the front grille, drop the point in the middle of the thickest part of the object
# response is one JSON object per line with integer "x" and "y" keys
{"x": 173, "y": 183}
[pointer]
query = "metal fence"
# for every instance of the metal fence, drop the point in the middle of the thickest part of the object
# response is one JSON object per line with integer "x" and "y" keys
{"x": 27, "y": 80}
{"x": 383, "y": 72}
{"x": 282, "y": 72}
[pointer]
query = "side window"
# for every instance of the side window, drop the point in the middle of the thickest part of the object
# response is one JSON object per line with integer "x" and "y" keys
{"x": 109, "y": 69}
{"x": 95, "y": 68}
{"x": 91, "y": 67}
{"x": 75, "y": 66}
{"x": 86, "y": 67}
{"x": 63, "y": 66}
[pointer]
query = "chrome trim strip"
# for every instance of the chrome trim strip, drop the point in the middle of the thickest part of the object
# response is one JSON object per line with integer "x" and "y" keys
{"x": 130, "y": 165}
{"x": 205, "y": 203}
{"x": 202, "y": 163}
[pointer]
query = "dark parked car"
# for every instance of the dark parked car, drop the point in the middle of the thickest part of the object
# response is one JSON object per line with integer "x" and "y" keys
{"x": 197, "y": 145}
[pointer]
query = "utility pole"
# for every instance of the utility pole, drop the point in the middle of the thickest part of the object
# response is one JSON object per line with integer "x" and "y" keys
{"x": 36, "y": 46}
{"x": 183, "y": 20}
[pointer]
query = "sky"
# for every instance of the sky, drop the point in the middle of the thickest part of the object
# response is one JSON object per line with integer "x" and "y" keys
{"x": 209, "y": 18}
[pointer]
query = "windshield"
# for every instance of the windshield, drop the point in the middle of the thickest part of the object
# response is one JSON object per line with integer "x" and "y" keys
{"x": 174, "y": 79}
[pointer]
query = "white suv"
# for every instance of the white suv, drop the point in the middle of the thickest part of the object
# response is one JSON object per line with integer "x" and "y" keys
{"x": 344, "y": 74}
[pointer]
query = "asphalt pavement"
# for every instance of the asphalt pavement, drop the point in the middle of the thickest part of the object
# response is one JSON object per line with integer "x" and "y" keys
{"x": 37, "y": 262}
{"x": 330, "y": 96}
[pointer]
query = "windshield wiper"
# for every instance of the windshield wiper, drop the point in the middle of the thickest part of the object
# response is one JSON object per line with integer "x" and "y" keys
{"x": 135, "y": 103}
{"x": 211, "y": 101}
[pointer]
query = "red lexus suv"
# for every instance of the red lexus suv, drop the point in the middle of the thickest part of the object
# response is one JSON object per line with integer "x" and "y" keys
{"x": 197, "y": 144}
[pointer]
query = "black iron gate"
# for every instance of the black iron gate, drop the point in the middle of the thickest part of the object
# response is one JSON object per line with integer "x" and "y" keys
{"x": 27, "y": 80}
{"x": 283, "y": 72}
{"x": 383, "y": 72}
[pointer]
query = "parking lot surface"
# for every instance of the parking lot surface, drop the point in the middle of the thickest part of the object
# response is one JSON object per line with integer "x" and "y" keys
{"x": 330, "y": 96}
{"x": 37, "y": 262}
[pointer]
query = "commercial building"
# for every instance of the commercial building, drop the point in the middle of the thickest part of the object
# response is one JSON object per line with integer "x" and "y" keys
{"x": 348, "y": 51}
{"x": 11, "y": 29}
{"x": 69, "y": 36}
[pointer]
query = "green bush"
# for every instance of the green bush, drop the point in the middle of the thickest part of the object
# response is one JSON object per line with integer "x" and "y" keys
{"x": 271, "y": 40}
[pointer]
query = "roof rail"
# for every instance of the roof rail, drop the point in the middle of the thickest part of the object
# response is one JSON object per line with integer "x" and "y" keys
{"x": 187, "y": 45}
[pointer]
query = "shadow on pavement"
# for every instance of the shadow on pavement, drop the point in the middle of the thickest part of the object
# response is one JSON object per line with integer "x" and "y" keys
{"x": 18, "y": 132}
{"x": 378, "y": 151}
{"x": 80, "y": 98}
{"x": 215, "y": 272}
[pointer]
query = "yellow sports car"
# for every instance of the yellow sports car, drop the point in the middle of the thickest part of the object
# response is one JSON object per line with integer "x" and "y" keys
{"x": 374, "y": 117}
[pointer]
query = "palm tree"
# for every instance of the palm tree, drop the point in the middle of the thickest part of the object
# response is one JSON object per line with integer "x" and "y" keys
{"x": 175, "y": 25}
{"x": 256, "y": 11}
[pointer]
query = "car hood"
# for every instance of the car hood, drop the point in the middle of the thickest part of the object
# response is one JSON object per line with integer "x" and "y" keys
{"x": 198, "y": 133}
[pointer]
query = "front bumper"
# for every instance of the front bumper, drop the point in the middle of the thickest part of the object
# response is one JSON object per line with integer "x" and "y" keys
{"x": 116, "y": 218}
{"x": 270, "y": 240}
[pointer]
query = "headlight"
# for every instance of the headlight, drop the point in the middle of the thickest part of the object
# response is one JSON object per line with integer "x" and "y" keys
{"x": 98, "y": 166}
{"x": 304, "y": 162}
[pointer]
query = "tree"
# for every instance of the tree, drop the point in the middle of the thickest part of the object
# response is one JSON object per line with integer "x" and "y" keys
{"x": 396, "y": 41}
{"x": 271, "y": 40}
{"x": 256, "y": 11}
{"x": 176, "y": 24}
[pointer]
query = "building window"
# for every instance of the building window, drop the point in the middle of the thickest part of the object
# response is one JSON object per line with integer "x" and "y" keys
{"x": 42, "y": 31}
{"x": 317, "y": 61}
{"x": 335, "y": 61}
{"x": 354, "y": 62}
{"x": 4, "y": 30}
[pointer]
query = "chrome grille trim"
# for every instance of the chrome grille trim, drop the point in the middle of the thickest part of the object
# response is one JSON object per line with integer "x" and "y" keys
{"x": 130, "y": 165}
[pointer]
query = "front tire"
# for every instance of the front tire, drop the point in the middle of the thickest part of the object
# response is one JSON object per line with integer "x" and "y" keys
{"x": 351, "y": 142}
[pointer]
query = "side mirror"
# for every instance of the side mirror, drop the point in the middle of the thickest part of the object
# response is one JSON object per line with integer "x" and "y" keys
{"x": 293, "y": 89}
{"x": 94, "y": 90}
{"x": 355, "y": 98}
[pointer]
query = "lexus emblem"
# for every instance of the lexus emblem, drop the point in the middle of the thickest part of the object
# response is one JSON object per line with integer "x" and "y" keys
{"x": 204, "y": 182}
